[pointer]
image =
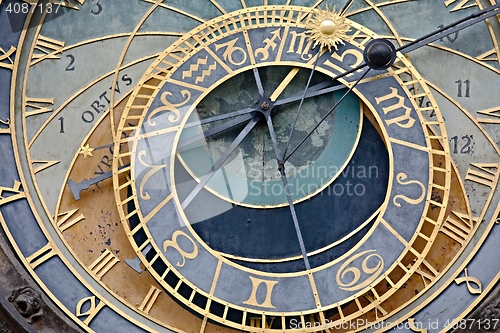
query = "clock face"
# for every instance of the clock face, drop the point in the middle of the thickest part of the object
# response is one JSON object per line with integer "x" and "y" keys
{"x": 215, "y": 165}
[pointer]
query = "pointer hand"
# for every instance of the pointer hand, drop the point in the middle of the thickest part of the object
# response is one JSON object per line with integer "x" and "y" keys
{"x": 248, "y": 128}
{"x": 311, "y": 92}
{"x": 214, "y": 130}
{"x": 76, "y": 188}
{"x": 463, "y": 23}
{"x": 287, "y": 191}
{"x": 239, "y": 119}
{"x": 294, "y": 216}
{"x": 326, "y": 115}
{"x": 220, "y": 117}
{"x": 451, "y": 28}
{"x": 301, "y": 103}
{"x": 384, "y": 50}
{"x": 260, "y": 87}
{"x": 346, "y": 7}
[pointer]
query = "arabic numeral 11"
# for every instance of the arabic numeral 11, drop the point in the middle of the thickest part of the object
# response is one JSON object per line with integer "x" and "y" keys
{"x": 463, "y": 88}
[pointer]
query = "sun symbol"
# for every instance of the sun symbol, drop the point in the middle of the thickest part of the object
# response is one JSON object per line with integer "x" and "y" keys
{"x": 328, "y": 28}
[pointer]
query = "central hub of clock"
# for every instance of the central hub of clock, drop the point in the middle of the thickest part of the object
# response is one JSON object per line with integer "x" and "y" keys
{"x": 250, "y": 176}
{"x": 265, "y": 106}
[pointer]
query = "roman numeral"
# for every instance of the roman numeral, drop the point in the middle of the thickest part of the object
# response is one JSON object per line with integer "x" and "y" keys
{"x": 491, "y": 55}
{"x": 481, "y": 173}
{"x": 426, "y": 272}
{"x": 269, "y": 285}
{"x": 373, "y": 299}
{"x": 6, "y": 55}
{"x": 460, "y": 4}
{"x": 33, "y": 104}
{"x": 149, "y": 300}
{"x": 44, "y": 165}
{"x": 257, "y": 322}
{"x": 46, "y": 48}
{"x": 16, "y": 193}
{"x": 458, "y": 227}
{"x": 104, "y": 263}
{"x": 493, "y": 113}
{"x": 41, "y": 256}
{"x": 65, "y": 220}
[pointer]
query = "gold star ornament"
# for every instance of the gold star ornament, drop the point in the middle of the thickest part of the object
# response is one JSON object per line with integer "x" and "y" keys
{"x": 328, "y": 28}
{"x": 86, "y": 151}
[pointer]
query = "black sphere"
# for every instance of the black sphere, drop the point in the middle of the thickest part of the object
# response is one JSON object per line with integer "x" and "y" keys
{"x": 380, "y": 54}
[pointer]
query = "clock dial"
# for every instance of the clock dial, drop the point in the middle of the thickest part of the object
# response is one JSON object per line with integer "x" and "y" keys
{"x": 219, "y": 165}
{"x": 163, "y": 199}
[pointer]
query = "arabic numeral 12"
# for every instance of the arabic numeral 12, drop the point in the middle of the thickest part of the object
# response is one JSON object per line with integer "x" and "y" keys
{"x": 464, "y": 146}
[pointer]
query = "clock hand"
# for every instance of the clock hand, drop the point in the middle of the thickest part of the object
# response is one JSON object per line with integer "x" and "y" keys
{"x": 326, "y": 115}
{"x": 212, "y": 131}
{"x": 381, "y": 53}
{"x": 286, "y": 81}
{"x": 220, "y": 117}
{"x": 294, "y": 215}
{"x": 248, "y": 128}
{"x": 260, "y": 88}
{"x": 301, "y": 103}
{"x": 346, "y": 7}
{"x": 239, "y": 119}
{"x": 281, "y": 168}
{"x": 451, "y": 28}
{"x": 312, "y": 92}
{"x": 433, "y": 36}
{"x": 76, "y": 188}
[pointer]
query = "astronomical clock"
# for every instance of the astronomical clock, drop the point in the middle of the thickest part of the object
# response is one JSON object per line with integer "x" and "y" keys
{"x": 253, "y": 165}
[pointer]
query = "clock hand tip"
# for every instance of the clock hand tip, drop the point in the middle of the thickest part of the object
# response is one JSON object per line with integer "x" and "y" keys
{"x": 75, "y": 189}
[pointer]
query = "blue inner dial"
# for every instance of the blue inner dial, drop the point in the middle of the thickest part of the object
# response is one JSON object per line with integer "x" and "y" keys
{"x": 250, "y": 177}
{"x": 338, "y": 178}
